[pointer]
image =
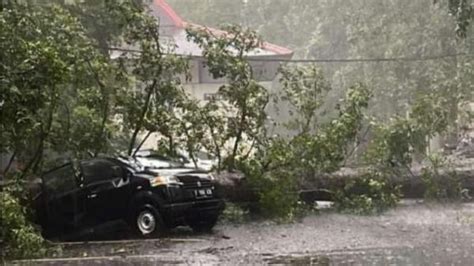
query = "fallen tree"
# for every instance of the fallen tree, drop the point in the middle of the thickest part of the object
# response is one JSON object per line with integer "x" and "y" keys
{"x": 413, "y": 184}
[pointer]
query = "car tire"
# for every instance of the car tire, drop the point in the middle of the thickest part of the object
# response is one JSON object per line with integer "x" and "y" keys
{"x": 147, "y": 222}
{"x": 203, "y": 225}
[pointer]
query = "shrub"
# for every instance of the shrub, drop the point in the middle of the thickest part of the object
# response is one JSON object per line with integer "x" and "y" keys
{"x": 279, "y": 163}
{"x": 441, "y": 185}
{"x": 278, "y": 197}
{"x": 18, "y": 238}
{"x": 234, "y": 213}
{"x": 366, "y": 196}
{"x": 276, "y": 190}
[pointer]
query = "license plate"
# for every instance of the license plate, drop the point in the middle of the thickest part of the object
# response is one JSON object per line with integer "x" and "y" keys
{"x": 203, "y": 193}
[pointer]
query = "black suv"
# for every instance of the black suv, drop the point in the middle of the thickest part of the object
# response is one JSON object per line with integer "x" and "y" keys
{"x": 82, "y": 195}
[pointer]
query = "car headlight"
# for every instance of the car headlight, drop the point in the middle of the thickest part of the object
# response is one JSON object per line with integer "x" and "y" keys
{"x": 164, "y": 180}
{"x": 212, "y": 177}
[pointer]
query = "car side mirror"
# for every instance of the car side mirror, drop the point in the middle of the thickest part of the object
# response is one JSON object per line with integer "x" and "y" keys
{"x": 183, "y": 159}
{"x": 127, "y": 176}
{"x": 78, "y": 175}
{"x": 117, "y": 172}
{"x": 80, "y": 179}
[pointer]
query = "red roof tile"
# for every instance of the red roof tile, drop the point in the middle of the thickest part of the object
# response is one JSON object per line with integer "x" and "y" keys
{"x": 178, "y": 22}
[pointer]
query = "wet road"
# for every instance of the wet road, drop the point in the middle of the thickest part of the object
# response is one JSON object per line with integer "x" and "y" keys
{"x": 413, "y": 234}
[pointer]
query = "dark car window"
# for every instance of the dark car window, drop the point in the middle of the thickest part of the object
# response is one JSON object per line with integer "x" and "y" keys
{"x": 100, "y": 170}
{"x": 60, "y": 180}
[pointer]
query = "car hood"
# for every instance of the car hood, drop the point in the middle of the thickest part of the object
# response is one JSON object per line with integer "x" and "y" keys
{"x": 178, "y": 171}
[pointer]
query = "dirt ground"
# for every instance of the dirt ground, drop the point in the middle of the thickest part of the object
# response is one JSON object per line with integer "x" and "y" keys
{"x": 412, "y": 234}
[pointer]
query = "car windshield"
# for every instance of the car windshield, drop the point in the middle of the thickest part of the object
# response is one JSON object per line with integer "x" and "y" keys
{"x": 135, "y": 164}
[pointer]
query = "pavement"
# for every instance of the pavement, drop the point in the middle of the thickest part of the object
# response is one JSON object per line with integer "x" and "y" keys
{"x": 414, "y": 233}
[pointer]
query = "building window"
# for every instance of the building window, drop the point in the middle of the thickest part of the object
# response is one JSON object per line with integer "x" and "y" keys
{"x": 264, "y": 71}
{"x": 206, "y": 77}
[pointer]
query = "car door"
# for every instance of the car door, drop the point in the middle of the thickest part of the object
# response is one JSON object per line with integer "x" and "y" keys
{"x": 107, "y": 189}
{"x": 63, "y": 198}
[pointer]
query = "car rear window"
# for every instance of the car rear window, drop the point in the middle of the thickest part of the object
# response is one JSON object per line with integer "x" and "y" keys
{"x": 60, "y": 180}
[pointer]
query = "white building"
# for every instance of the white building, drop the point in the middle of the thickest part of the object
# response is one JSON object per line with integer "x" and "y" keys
{"x": 202, "y": 85}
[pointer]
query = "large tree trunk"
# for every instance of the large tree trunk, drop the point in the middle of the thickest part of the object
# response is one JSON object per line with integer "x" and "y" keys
{"x": 234, "y": 187}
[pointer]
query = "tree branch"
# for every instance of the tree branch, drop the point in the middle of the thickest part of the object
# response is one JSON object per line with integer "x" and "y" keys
{"x": 146, "y": 106}
{"x": 10, "y": 162}
{"x": 142, "y": 142}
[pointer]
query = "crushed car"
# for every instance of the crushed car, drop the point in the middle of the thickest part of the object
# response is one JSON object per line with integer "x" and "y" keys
{"x": 151, "y": 200}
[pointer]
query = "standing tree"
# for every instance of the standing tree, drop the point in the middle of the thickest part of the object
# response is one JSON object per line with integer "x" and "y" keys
{"x": 305, "y": 89}
{"x": 245, "y": 99}
{"x": 155, "y": 102}
{"x": 55, "y": 89}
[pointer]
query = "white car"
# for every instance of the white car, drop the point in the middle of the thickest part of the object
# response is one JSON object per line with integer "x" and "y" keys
{"x": 204, "y": 160}
{"x": 150, "y": 159}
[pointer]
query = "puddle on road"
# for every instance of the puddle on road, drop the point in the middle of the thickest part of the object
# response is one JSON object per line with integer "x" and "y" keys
{"x": 322, "y": 260}
{"x": 295, "y": 260}
{"x": 367, "y": 257}
{"x": 392, "y": 256}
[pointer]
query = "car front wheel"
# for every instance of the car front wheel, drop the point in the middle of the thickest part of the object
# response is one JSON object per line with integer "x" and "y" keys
{"x": 148, "y": 222}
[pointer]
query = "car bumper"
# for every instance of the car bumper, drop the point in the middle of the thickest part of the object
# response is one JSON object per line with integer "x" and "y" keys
{"x": 208, "y": 207}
